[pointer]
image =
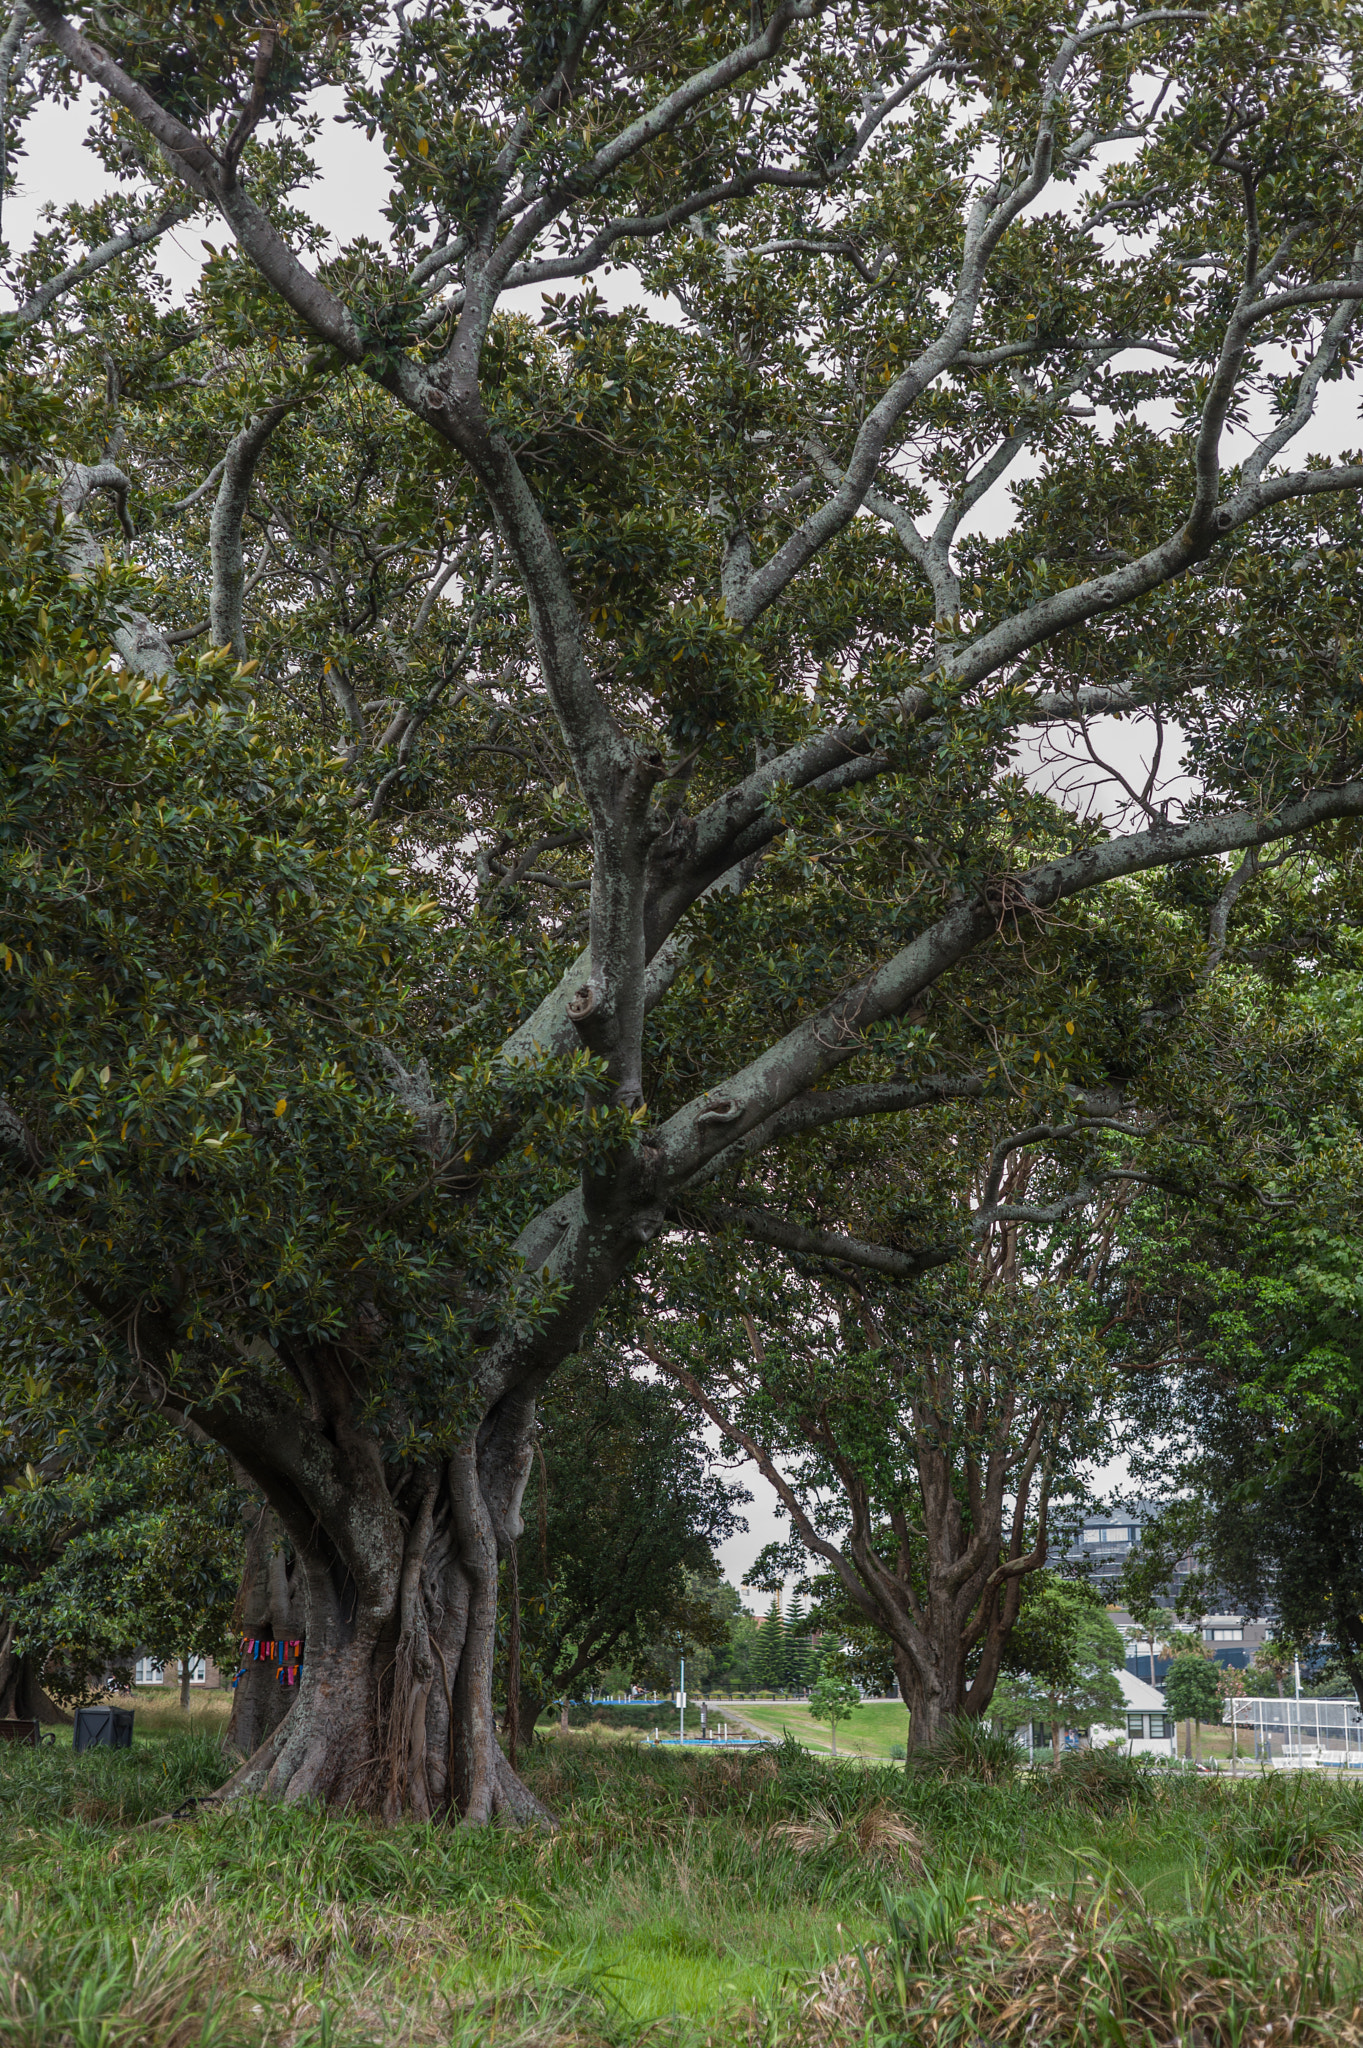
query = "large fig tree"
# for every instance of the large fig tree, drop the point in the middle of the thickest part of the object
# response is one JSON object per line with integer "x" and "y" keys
{"x": 664, "y": 656}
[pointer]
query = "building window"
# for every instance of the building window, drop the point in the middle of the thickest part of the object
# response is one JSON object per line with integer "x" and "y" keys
{"x": 1225, "y": 1635}
{"x": 1135, "y": 1727}
{"x": 1041, "y": 1735}
{"x": 1119, "y": 1534}
{"x": 1161, "y": 1728}
{"x": 149, "y": 1672}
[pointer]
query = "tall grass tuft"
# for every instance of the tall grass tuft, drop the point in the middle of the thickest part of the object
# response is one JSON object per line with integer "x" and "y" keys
{"x": 1099, "y": 1781}
{"x": 106, "y": 1988}
{"x": 969, "y": 1749}
{"x": 874, "y": 1838}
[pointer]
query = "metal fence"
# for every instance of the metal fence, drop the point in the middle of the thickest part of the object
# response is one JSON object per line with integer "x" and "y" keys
{"x": 1300, "y": 1731}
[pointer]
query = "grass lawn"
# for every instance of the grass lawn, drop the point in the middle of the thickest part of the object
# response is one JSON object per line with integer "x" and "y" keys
{"x": 873, "y": 1731}
{"x": 687, "y": 1901}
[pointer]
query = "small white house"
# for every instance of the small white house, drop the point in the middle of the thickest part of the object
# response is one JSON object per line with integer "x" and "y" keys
{"x": 1149, "y": 1731}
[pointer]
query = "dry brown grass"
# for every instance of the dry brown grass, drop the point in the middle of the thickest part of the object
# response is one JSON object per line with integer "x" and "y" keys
{"x": 1052, "y": 1973}
{"x": 878, "y": 1837}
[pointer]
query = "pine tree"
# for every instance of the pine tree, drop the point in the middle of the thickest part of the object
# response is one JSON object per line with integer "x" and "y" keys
{"x": 769, "y": 1668}
{"x": 799, "y": 1663}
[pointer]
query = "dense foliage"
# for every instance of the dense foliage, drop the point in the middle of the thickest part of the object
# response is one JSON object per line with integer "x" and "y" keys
{"x": 118, "y": 1538}
{"x": 1262, "y": 1423}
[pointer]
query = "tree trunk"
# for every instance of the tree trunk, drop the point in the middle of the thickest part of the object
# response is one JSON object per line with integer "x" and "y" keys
{"x": 393, "y": 1711}
{"x": 1055, "y": 1742}
{"x": 1353, "y": 1665}
{"x": 532, "y": 1706}
{"x": 21, "y": 1693}
{"x": 269, "y": 1607}
{"x": 186, "y": 1668}
{"x": 935, "y": 1692}
{"x": 563, "y": 1715}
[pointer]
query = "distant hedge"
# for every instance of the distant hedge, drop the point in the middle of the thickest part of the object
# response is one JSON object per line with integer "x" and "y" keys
{"x": 647, "y": 1718}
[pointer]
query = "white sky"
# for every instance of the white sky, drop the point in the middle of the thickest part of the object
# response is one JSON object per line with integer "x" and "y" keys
{"x": 347, "y": 200}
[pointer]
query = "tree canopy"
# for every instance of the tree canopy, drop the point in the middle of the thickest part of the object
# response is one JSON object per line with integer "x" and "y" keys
{"x": 1260, "y": 1428}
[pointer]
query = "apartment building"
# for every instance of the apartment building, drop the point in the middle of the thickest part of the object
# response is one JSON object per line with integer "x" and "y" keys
{"x": 1104, "y": 1542}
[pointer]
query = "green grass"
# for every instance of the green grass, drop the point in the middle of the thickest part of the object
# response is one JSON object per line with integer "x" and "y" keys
{"x": 685, "y": 1900}
{"x": 873, "y": 1731}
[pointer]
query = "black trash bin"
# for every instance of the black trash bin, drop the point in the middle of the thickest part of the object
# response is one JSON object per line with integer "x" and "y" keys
{"x": 104, "y": 1728}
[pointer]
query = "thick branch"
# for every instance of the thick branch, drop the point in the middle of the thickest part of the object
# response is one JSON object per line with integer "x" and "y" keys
{"x": 228, "y": 586}
{"x": 823, "y": 1244}
{"x": 794, "y": 1064}
{"x": 195, "y": 162}
{"x": 45, "y": 297}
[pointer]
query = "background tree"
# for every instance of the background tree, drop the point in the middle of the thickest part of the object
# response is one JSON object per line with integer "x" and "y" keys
{"x": 731, "y": 1664}
{"x": 847, "y": 1641}
{"x": 118, "y": 1540}
{"x": 799, "y": 1648}
{"x": 769, "y": 1669}
{"x": 1077, "y": 1653}
{"x": 915, "y": 1439}
{"x": 618, "y": 1559}
{"x": 1192, "y": 1693}
{"x": 188, "y": 1584}
{"x": 705, "y": 593}
{"x": 1272, "y": 1661}
{"x": 833, "y": 1698}
{"x": 1263, "y": 1421}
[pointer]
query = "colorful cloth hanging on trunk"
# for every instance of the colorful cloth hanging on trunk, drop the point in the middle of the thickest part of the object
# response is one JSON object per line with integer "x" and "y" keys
{"x": 285, "y": 1651}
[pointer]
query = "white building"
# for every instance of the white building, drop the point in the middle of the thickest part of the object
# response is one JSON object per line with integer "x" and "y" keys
{"x": 1149, "y": 1731}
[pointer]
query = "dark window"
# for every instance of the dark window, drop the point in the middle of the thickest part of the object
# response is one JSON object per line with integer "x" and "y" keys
{"x": 1135, "y": 1726}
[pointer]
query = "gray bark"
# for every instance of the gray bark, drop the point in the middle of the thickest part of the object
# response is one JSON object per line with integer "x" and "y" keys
{"x": 397, "y": 1574}
{"x": 226, "y": 619}
{"x": 139, "y": 641}
{"x": 270, "y": 1606}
